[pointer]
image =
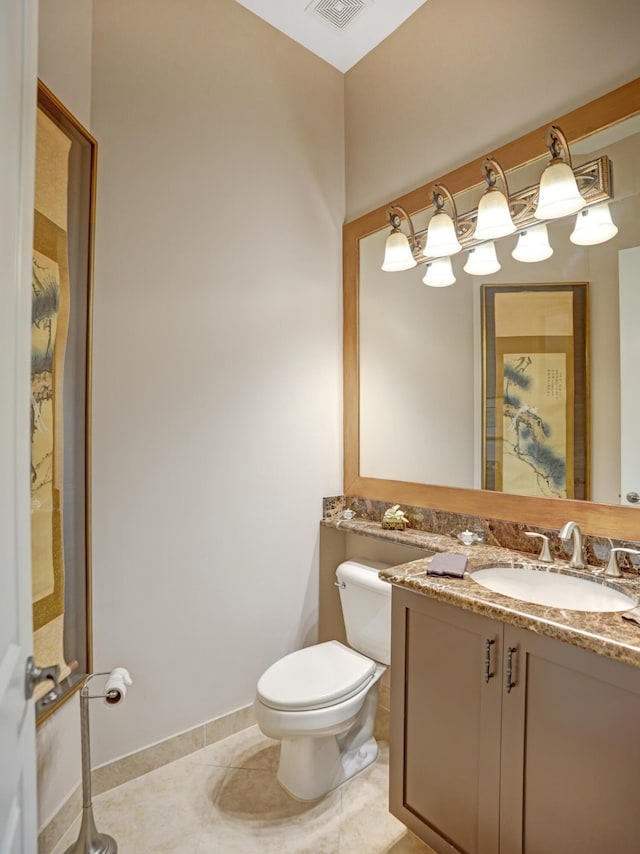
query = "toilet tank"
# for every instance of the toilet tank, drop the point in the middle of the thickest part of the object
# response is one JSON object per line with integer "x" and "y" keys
{"x": 366, "y": 607}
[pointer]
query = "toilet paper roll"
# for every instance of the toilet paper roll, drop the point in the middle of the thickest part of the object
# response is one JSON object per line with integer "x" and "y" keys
{"x": 116, "y": 686}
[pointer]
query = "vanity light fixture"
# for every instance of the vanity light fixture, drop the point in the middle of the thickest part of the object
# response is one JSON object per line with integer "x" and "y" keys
{"x": 593, "y": 225}
{"x": 562, "y": 190}
{"x": 533, "y": 244}
{"x": 482, "y": 260}
{"x": 439, "y": 273}
{"x": 442, "y": 233}
{"x": 494, "y": 215}
{"x": 559, "y": 194}
{"x": 398, "y": 254}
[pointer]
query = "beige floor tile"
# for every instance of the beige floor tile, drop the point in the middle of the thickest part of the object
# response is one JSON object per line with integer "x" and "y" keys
{"x": 225, "y": 799}
{"x": 249, "y": 749}
{"x": 253, "y": 814}
{"x": 162, "y": 811}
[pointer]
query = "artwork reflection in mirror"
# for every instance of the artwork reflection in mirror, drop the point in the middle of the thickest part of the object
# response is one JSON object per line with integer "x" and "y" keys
{"x": 535, "y": 389}
{"x": 420, "y": 348}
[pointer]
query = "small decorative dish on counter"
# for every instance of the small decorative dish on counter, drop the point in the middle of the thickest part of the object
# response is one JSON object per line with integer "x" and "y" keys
{"x": 468, "y": 538}
{"x": 394, "y": 519}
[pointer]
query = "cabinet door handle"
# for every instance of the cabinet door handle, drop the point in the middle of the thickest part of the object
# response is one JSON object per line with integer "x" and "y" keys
{"x": 510, "y": 683}
{"x": 488, "y": 673}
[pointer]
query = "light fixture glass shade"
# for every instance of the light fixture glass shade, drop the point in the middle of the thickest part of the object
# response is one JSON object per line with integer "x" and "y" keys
{"x": 559, "y": 194}
{"x": 482, "y": 260}
{"x": 397, "y": 253}
{"x": 533, "y": 245}
{"x": 439, "y": 273}
{"x": 593, "y": 225}
{"x": 442, "y": 239}
{"x": 494, "y": 217}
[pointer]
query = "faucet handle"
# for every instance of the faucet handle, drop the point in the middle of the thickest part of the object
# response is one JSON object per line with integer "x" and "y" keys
{"x": 545, "y": 553}
{"x": 613, "y": 567}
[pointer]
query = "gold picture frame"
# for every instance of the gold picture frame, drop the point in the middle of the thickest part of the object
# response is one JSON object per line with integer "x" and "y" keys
{"x": 64, "y": 208}
{"x": 535, "y": 389}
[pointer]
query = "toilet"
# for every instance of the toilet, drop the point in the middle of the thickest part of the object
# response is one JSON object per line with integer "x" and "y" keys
{"x": 321, "y": 701}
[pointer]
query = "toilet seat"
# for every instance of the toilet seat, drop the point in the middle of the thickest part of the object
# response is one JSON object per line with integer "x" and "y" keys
{"x": 315, "y": 677}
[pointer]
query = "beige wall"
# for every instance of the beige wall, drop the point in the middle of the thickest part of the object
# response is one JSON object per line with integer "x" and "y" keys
{"x": 460, "y": 78}
{"x": 217, "y": 351}
{"x": 64, "y": 53}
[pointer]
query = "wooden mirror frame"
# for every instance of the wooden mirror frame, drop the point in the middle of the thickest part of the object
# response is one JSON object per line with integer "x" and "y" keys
{"x": 608, "y": 520}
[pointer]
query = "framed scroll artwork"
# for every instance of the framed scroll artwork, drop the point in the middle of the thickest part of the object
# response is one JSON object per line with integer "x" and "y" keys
{"x": 61, "y": 396}
{"x": 536, "y": 389}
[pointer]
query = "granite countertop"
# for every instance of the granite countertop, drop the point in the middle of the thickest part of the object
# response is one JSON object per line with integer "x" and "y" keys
{"x": 605, "y": 633}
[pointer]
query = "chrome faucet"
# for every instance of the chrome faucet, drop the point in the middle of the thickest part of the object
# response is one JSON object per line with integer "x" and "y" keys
{"x": 572, "y": 531}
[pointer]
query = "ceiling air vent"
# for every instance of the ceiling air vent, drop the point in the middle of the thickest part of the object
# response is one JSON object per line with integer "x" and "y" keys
{"x": 338, "y": 13}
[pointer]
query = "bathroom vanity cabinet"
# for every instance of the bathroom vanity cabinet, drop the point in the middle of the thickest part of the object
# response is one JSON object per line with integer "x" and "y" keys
{"x": 506, "y": 741}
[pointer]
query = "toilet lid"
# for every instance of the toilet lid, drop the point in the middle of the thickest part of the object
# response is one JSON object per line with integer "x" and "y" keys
{"x": 315, "y": 677}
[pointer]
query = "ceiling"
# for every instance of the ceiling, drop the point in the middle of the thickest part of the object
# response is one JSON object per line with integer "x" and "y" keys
{"x": 339, "y": 31}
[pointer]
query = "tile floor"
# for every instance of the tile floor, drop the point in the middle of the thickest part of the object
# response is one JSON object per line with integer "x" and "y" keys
{"x": 225, "y": 799}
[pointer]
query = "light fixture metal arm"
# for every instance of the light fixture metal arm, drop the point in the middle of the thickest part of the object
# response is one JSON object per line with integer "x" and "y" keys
{"x": 491, "y": 168}
{"x": 557, "y": 144}
{"x": 438, "y": 195}
{"x": 395, "y": 220}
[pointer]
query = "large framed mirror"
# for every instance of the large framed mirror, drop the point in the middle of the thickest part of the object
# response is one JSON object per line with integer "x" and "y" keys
{"x": 413, "y": 426}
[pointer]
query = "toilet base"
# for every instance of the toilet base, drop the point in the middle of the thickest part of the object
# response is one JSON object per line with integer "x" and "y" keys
{"x": 312, "y": 766}
{"x": 330, "y": 767}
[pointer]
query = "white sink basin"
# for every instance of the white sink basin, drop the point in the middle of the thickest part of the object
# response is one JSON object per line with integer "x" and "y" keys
{"x": 554, "y": 589}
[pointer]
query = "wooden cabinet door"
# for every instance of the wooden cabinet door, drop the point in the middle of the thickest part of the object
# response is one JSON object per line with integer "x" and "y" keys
{"x": 445, "y": 724}
{"x": 570, "y": 751}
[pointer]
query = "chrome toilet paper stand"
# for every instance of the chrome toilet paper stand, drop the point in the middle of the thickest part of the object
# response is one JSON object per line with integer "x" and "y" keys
{"x": 89, "y": 841}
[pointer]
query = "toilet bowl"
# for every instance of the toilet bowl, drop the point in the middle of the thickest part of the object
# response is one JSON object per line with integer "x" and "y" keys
{"x": 321, "y": 701}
